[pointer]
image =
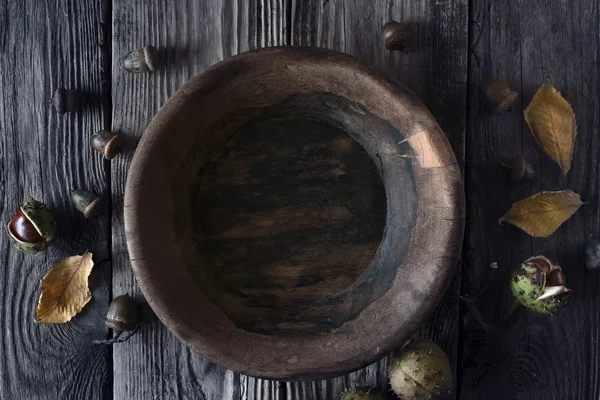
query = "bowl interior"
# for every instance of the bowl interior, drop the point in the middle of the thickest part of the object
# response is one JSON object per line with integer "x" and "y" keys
{"x": 293, "y": 214}
{"x": 288, "y": 213}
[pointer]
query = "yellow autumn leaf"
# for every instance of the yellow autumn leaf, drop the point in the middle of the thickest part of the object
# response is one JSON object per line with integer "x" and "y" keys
{"x": 65, "y": 290}
{"x": 552, "y": 122}
{"x": 541, "y": 214}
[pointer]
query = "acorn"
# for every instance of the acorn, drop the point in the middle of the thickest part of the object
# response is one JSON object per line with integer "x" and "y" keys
{"x": 88, "y": 203}
{"x": 363, "y": 393}
{"x": 420, "y": 370}
{"x": 396, "y": 36}
{"x": 591, "y": 254}
{"x": 106, "y": 143}
{"x": 500, "y": 96}
{"x": 122, "y": 315}
{"x": 141, "y": 60}
{"x": 32, "y": 228}
{"x": 65, "y": 101}
{"x": 519, "y": 170}
{"x": 540, "y": 285}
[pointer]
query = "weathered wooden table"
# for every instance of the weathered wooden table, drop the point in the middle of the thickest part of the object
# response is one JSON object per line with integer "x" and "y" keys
{"x": 456, "y": 46}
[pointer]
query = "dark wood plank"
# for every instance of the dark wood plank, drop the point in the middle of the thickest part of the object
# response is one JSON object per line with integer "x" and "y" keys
{"x": 190, "y": 36}
{"x": 536, "y": 356}
{"x": 44, "y": 45}
{"x": 436, "y": 71}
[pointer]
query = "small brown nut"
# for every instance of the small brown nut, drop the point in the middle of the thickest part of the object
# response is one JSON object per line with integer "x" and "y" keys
{"x": 499, "y": 95}
{"x": 519, "y": 170}
{"x": 122, "y": 315}
{"x": 87, "y": 203}
{"x": 106, "y": 143}
{"x": 396, "y": 36}
{"x": 141, "y": 60}
{"x": 65, "y": 101}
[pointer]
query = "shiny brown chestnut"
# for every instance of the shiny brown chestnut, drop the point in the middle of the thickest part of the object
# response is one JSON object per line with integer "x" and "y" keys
{"x": 32, "y": 228}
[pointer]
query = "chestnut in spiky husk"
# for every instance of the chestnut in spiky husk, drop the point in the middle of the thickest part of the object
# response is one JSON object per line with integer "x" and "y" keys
{"x": 32, "y": 228}
{"x": 420, "y": 370}
{"x": 363, "y": 393}
{"x": 540, "y": 285}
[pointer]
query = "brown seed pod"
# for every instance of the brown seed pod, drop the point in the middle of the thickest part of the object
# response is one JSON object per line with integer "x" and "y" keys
{"x": 141, "y": 60}
{"x": 122, "y": 315}
{"x": 106, "y": 143}
{"x": 65, "y": 101}
{"x": 519, "y": 170}
{"x": 499, "y": 95}
{"x": 87, "y": 202}
{"x": 396, "y": 36}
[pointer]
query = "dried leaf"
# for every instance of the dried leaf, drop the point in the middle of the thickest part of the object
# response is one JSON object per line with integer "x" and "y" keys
{"x": 65, "y": 289}
{"x": 541, "y": 214}
{"x": 552, "y": 122}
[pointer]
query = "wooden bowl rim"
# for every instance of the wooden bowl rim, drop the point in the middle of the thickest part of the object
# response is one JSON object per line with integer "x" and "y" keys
{"x": 166, "y": 294}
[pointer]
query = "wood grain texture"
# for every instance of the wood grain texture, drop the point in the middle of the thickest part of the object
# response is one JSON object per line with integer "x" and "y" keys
{"x": 535, "y": 356}
{"x": 44, "y": 45}
{"x": 190, "y": 36}
{"x": 287, "y": 213}
{"x": 436, "y": 71}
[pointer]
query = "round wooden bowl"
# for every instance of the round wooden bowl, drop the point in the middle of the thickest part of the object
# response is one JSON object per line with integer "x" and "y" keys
{"x": 291, "y": 213}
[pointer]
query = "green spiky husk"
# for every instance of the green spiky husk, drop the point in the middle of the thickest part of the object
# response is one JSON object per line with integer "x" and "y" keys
{"x": 420, "y": 370}
{"x": 527, "y": 283}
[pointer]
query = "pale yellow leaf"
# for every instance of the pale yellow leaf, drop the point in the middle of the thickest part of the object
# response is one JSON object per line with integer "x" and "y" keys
{"x": 541, "y": 214}
{"x": 65, "y": 289}
{"x": 552, "y": 123}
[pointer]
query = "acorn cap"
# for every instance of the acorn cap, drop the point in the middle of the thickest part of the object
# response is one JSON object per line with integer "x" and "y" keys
{"x": 106, "y": 143}
{"x": 87, "y": 202}
{"x": 122, "y": 315}
{"x": 151, "y": 57}
{"x": 395, "y": 36}
{"x": 519, "y": 170}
